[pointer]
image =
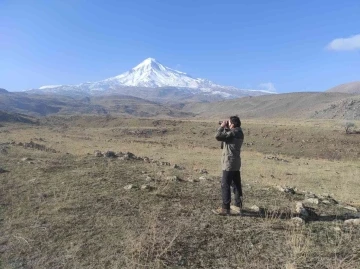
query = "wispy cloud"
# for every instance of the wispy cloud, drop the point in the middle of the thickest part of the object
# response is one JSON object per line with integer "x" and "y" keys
{"x": 348, "y": 43}
{"x": 267, "y": 86}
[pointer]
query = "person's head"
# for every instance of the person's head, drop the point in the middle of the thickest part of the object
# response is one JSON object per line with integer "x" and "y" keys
{"x": 235, "y": 120}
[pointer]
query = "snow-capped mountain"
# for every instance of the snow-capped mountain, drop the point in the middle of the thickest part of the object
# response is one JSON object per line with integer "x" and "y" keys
{"x": 156, "y": 78}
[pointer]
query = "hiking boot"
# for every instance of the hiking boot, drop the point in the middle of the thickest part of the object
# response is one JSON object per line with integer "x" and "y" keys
{"x": 221, "y": 211}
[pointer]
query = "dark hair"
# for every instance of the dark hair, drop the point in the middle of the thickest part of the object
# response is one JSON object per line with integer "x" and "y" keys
{"x": 235, "y": 120}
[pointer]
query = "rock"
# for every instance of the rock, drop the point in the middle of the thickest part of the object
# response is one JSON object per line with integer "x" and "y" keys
{"x": 301, "y": 210}
{"x": 312, "y": 201}
{"x": 297, "y": 221}
{"x": 255, "y": 208}
{"x": 337, "y": 229}
{"x": 286, "y": 189}
{"x": 203, "y": 171}
{"x": 351, "y": 208}
{"x": 146, "y": 187}
{"x": 97, "y": 153}
{"x": 148, "y": 179}
{"x": 110, "y": 154}
{"x": 310, "y": 195}
{"x": 2, "y": 170}
{"x": 26, "y": 159}
{"x": 129, "y": 187}
{"x": 146, "y": 159}
{"x": 329, "y": 201}
{"x": 202, "y": 178}
{"x": 173, "y": 178}
{"x": 353, "y": 222}
{"x": 130, "y": 155}
{"x": 160, "y": 173}
{"x": 325, "y": 196}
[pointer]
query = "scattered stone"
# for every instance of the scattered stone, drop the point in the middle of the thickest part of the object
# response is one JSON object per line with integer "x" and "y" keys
{"x": 297, "y": 221}
{"x": 351, "y": 208}
{"x": 110, "y": 154}
{"x": 312, "y": 201}
{"x": 97, "y": 153}
{"x": 301, "y": 210}
{"x": 3, "y": 170}
{"x": 310, "y": 195}
{"x": 129, "y": 187}
{"x": 353, "y": 222}
{"x": 329, "y": 201}
{"x": 173, "y": 178}
{"x": 146, "y": 187}
{"x": 202, "y": 178}
{"x": 255, "y": 208}
{"x": 203, "y": 171}
{"x": 286, "y": 189}
{"x": 337, "y": 229}
{"x": 160, "y": 173}
{"x": 146, "y": 159}
{"x": 276, "y": 159}
{"x": 148, "y": 179}
{"x": 26, "y": 159}
{"x": 325, "y": 196}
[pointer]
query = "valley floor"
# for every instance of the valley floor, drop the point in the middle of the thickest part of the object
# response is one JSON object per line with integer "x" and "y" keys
{"x": 62, "y": 207}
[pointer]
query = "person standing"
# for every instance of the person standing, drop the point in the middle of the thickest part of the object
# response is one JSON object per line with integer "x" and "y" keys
{"x": 232, "y": 137}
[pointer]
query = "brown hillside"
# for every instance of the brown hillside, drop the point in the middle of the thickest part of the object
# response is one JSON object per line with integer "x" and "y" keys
{"x": 352, "y": 87}
{"x": 290, "y": 105}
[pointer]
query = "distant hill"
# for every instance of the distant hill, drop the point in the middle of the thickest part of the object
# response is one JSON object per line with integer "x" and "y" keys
{"x": 326, "y": 105}
{"x": 352, "y": 87}
{"x": 3, "y": 91}
{"x": 47, "y": 104}
{"x": 14, "y": 117}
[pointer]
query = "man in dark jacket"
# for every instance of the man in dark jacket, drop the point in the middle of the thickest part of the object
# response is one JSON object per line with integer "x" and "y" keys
{"x": 232, "y": 137}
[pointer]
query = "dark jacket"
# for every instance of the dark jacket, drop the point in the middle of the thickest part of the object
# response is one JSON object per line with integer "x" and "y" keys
{"x": 233, "y": 140}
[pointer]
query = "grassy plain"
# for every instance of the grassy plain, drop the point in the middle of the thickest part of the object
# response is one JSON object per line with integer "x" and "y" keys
{"x": 69, "y": 209}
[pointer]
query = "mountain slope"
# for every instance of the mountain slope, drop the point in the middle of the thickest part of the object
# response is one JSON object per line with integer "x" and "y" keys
{"x": 290, "y": 105}
{"x": 46, "y": 104}
{"x": 151, "y": 76}
{"x": 352, "y": 87}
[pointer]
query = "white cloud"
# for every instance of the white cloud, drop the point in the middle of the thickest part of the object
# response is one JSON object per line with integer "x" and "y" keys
{"x": 268, "y": 86}
{"x": 349, "y": 43}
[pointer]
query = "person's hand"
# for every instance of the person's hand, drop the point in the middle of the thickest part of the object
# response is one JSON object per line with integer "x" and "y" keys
{"x": 224, "y": 124}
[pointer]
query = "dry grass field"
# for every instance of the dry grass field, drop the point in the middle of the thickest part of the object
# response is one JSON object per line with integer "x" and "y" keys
{"x": 62, "y": 207}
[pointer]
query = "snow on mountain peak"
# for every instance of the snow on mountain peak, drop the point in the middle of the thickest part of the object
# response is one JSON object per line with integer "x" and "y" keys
{"x": 152, "y": 74}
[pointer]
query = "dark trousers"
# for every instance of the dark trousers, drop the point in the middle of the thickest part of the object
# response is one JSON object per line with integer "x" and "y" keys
{"x": 231, "y": 178}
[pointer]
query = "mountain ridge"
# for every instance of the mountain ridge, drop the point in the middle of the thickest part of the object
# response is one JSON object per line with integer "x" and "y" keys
{"x": 151, "y": 74}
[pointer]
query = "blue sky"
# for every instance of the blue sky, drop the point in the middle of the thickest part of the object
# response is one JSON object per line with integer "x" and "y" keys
{"x": 238, "y": 43}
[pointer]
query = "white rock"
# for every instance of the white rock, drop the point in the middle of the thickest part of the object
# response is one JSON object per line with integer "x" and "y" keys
{"x": 337, "y": 229}
{"x": 297, "y": 221}
{"x": 300, "y": 209}
{"x": 312, "y": 201}
{"x": 172, "y": 178}
{"x": 202, "y": 178}
{"x": 145, "y": 187}
{"x": 148, "y": 179}
{"x": 354, "y": 222}
{"x": 255, "y": 208}
{"x": 129, "y": 187}
{"x": 351, "y": 208}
